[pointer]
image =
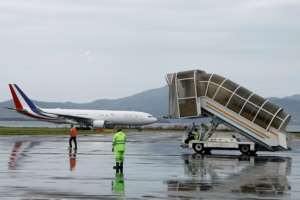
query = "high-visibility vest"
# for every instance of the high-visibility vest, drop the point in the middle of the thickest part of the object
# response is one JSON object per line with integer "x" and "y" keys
{"x": 196, "y": 135}
{"x": 73, "y": 132}
{"x": 119, "y": 141}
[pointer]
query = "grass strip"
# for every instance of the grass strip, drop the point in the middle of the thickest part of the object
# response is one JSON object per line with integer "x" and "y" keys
{"x": 47, "y": 131}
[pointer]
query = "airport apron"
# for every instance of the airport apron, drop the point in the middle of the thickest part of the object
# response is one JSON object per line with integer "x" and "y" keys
{"x": 119, "y": 140}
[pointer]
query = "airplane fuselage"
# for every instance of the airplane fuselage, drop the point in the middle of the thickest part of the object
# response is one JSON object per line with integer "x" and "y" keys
{"x": 111, "y": 116}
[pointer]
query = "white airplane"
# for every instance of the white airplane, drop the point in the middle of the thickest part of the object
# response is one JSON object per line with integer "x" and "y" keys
{"x": 82, "y": 118}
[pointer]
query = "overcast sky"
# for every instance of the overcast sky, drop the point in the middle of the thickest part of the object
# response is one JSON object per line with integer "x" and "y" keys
{"x": 82, "y": 50}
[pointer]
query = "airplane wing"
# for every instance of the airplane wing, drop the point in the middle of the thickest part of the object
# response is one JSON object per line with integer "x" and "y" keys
{"x": 82, "y": 120}
{"x": 72, "y": 118}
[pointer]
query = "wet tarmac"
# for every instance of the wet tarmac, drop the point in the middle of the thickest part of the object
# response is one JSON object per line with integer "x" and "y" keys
{"x": 156, "y": 167}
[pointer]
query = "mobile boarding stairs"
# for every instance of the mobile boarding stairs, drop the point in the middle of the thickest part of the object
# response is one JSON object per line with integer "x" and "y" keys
{"x": 194, "y": 94}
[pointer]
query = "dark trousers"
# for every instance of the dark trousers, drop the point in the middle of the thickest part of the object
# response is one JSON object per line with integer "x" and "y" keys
{"x": 75, "y": 142}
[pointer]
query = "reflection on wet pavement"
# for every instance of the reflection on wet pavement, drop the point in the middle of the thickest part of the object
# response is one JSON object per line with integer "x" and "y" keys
{"x": 262, "y": 176}
{"x": 14, "y": 155}
{"x": 72, "y": 159}
{"x": 155, "y": 168}
{"x": 118, "y": 185}
{"x": 18, "y": 152}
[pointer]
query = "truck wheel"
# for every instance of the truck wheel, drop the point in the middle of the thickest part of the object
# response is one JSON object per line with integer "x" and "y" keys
{"x": 198, "y": 148}
{"x": 245, "y": 149}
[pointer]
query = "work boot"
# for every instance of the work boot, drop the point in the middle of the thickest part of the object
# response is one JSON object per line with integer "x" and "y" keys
{"x": 117, "y": 167}
{"x": 121, "y": 167}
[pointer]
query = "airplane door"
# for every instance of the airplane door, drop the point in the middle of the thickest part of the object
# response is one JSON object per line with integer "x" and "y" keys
{"x": 188, "y": 103}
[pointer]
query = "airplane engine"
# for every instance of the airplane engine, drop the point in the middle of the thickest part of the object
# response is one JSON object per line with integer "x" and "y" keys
{"x": 98, "y": 124}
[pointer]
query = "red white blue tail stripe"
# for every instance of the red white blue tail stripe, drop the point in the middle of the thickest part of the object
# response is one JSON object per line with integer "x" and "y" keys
{"x": 25, "y": 106}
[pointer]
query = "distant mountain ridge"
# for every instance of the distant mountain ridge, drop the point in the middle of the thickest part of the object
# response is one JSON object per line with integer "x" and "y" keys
{"x": 153, "y": 101}
{"x": 294, "y": 97}
{"x": 291, "y": 105}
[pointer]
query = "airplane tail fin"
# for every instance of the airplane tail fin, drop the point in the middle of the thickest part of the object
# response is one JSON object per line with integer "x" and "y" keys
{"x": 21, "y": 101}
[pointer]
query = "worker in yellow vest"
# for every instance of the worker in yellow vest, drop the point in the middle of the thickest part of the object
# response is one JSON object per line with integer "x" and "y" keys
{"x": 197, "y": 134}
{"x": 118, "y": 147}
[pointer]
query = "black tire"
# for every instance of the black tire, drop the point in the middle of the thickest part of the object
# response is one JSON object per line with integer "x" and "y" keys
{"x": 245, "y": 149}
{"x": 198, "y": 148}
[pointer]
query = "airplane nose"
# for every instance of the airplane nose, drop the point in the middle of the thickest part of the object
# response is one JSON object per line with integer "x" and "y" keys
{"x": 154, "y": 119}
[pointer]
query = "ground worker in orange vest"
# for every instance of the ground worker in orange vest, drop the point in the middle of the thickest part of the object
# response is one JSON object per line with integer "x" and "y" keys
{"x": 73, "y": 137}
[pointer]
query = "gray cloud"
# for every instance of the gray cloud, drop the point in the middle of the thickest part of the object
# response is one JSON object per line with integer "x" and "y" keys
{"x": 88, "y": 49}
